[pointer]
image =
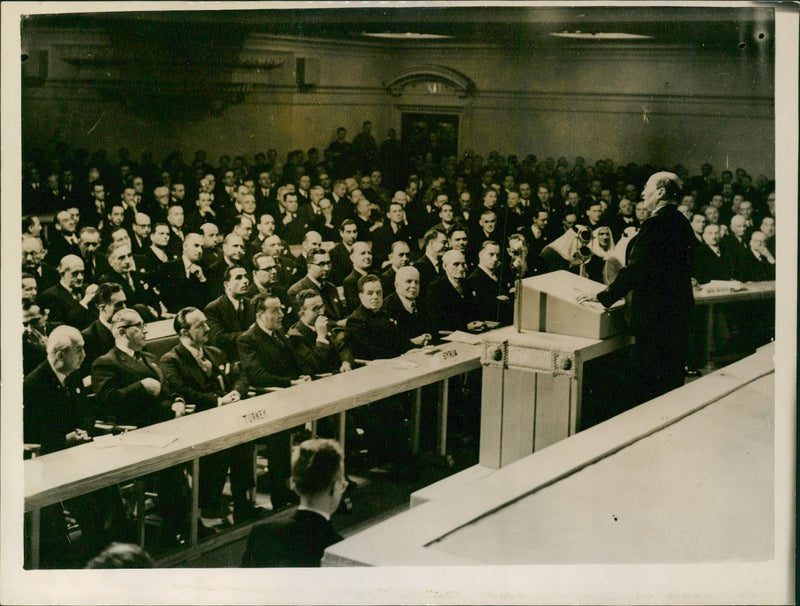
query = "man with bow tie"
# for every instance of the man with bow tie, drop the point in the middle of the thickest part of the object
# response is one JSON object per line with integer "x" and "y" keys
{"x": 205, "y": 378}
{"x": 268, "y": 361}
{"x": 130, "y": 389}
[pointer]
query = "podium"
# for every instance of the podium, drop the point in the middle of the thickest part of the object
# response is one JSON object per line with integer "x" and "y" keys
{"x": 539, "y": 375}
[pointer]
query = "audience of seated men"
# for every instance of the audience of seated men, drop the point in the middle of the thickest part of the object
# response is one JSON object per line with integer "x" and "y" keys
{"x": 205, "y": 377}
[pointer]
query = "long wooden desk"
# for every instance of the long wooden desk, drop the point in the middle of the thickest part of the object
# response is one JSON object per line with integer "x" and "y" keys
{"x": 685, "y": 478}
{"x": 752, "y": 291}
{"x": 112, "y": 459}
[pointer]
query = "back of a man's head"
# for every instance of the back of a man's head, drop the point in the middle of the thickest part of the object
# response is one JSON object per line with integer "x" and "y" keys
{"x": 316, "y": 465}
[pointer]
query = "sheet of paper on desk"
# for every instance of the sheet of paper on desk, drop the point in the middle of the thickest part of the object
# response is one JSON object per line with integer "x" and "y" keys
{"x": 393, "y": 363}
{"x": 723, "y": 286}
{"x": 463, "y": 337}
{"x": 144, "y": 438}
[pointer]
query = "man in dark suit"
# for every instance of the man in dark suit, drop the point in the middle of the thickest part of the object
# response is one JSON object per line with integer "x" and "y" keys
{"x": 300, "y": 540}
{"x": 340, "y": 253}
{"x": 393, "y": 230}
{"x": 399, "y": 256}
{"x": 97, "y": 337}
{"x": 184, "y": 282}
{"x": 448, "y": 300}
{"x": 370, "y": 334}
{"x": 428, "y": 265}
{"x": 317, "y": 279}
{"x": 710, "y": 261}
{"x": 67, "y": 301}
{"x": 129, "y": 389}
{"x": 138, "y": 292}
{"x": 62, "y": 240}
{"x": 315, "y": 349}
{"x": 152, "y": 259}
{"x": 33, "y": 253}
{"x": 537, "y": 236}
{"x": 402, "y": 308}
{"x": 658, "y": 273}
{"x": 268, "y": 361}
{"x": 490, "y": 296}
{"x": 361, "y": 257}
{"x": 230, "y": 314}
{"x": 204, "y": 377}
{"x": 57, "y": 415}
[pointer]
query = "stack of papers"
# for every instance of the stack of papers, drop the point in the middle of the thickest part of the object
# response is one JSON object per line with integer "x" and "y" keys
{"x": 463, "y": 337}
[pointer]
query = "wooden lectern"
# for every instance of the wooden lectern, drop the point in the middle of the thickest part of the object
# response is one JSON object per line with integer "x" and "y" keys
{"x": 535, "y": 374}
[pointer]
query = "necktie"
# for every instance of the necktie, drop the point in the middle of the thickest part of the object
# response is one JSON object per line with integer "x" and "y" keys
{"x": 205, "y": 364}
{"x": 413, "y": 307}
{"x": 130, "y": 282}
{"x": 138, "y": 355}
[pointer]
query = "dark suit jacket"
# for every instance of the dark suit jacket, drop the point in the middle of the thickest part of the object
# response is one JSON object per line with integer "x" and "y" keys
{"x": 708, "y": 266}
{"x": 267, "y": 361}
{"x": 387, "y": 282}
{"x": 150, "y": 265}
{"x": 334, "y": 308}
{"x": 296, "y": 541}
{"x": 178, "y": 291}
{"x": 120, "y": 395}
{"x": 186, "y": 379}
{"x": 143, "y": 293}
{"x": 384, "y": 237}
{"x": 658, "y": 273}
{"x": 427, "y": 273}
{"x": 64, "y": 309}
{"x": 484, "y": 291}
{"x": 372, "y": 335}
{"x": 226, "y": 324}
{"x": 755, "y": 270}
{"x": 51, "y": 411}
{"x": 58, "y": 247}
{"x": 411, "y": 325}
{"x": 447, "y": 309}
{"x": 313, "y": 357}
{"x": 350, "y": 288}
{"x": 46, "y": 277}
{"x": 97, "y": 340}
{"x": 341, "y": 264}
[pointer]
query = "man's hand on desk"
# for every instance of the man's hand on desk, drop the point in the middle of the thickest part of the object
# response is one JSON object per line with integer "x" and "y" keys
{"x": 586, "y": 297}
{"x": 301, "y": 379}
{"x": 79, "y": 436}
{"x": 345, "y": 366}
{"x": 152, "y": 386}
{"x": 229, "y": 398}
{"x": 422, "y": 340}
{"x": 181, "y": 408}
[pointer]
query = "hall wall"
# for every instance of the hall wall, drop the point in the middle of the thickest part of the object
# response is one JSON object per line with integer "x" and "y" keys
{"x": 628, "y": 103}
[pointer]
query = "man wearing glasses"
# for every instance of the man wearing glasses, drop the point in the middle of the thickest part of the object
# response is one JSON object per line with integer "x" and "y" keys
{"x": 67, "y": 301}
{"x": 130, "y": 390}
{"x": 319, "y": 268}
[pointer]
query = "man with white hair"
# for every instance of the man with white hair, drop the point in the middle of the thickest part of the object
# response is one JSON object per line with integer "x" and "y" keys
{"x": 57, "y": 416}
{"x": 448, "y": 300}
{"x": 67, "y": 301}
{"x": 659, "y": 274}
{"x": 402, "y": 307}
{"x": 62, "y": 240}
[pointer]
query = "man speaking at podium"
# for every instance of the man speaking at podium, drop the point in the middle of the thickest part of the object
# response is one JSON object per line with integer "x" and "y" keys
{"x": 658, "y": 275}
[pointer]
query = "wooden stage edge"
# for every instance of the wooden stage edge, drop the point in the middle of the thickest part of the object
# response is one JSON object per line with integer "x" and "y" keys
{"x": 411, "y": 532}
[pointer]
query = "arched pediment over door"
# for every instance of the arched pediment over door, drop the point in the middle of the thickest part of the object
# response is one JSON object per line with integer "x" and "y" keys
{"x": 432, "y": 80}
